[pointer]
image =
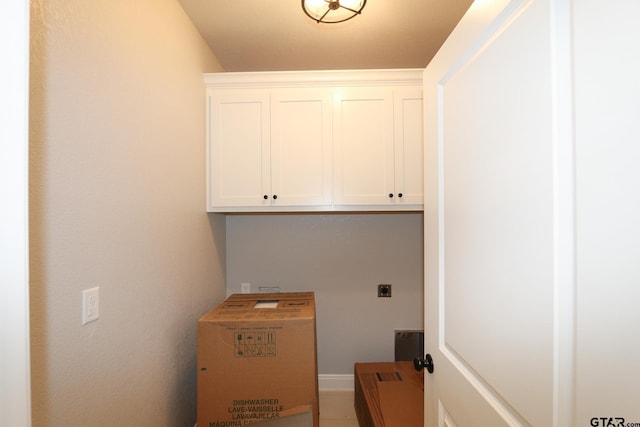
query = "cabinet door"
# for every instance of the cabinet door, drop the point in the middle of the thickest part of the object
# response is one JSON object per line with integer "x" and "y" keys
{"x": 238, "y": 149}
{"x": 301, "y": 147}
{"x": 408, "y": 143}
{"x": 363, "y": 138}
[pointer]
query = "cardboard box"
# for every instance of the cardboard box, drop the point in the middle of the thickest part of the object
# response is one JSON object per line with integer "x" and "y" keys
{"x": 257, "y": 361}
{"x": 388, "y": 394}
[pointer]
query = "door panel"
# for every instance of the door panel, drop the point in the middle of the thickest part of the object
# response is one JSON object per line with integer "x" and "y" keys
{"x": 444, "y": 419}
{"x": 363, "y": 138}
{"x": 301, "y": 147}
{"x": 408, "y": 146}
{"x": 238, "y": 149}
{"x": 498, "y": 220}
{"x": 495, "y": 253}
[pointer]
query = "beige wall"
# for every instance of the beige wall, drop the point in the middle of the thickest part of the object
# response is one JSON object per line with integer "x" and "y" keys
{"x": 342, "y": 258}
{"x": 117, "y": 201}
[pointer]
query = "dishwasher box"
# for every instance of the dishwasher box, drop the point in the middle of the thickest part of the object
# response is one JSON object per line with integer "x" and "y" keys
{"x": 257, "y": 361}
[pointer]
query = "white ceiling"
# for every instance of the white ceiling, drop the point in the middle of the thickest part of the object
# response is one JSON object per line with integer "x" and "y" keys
{"x": 276, "y": 35}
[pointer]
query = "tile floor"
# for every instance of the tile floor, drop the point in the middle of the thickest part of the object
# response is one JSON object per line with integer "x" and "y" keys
{"x": 336, "y": 409}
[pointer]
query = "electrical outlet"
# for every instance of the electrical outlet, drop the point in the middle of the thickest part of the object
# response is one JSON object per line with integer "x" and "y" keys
{"x": 384, "y": 291}
{"x": 268, "y": 289}
{"x": 245, "y": 288}
{"x": 90, "y": 305}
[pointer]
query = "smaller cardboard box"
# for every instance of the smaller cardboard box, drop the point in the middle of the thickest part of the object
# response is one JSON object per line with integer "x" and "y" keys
{"x": 257, "y": 361}
{"x": 388, "y": 394}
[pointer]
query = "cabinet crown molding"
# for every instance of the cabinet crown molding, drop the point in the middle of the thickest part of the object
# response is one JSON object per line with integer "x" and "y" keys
{"x": 387, "y": 77}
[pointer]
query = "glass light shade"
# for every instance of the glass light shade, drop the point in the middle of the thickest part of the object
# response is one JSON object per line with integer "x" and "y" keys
{"x": 332, "y": 11}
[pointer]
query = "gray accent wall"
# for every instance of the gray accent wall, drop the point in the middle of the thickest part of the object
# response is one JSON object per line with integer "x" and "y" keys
{"x": 342, "y": 258}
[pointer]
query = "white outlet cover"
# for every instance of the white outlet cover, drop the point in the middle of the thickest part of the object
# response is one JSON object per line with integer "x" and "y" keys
{"x": 90, "y": 305}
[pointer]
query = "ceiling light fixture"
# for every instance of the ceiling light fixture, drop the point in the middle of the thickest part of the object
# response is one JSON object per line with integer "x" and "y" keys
{"x": 332, "y": 11}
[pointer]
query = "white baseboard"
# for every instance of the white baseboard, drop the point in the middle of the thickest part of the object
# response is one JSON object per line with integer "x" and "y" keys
{"x": 335, "y": 382}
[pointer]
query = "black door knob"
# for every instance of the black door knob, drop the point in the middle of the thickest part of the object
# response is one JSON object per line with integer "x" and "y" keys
{"x": 419, "y": 363}
{"x": 265, "y": 197}
{"x": 275, "y": 196}
{"x": 399, "y": 194}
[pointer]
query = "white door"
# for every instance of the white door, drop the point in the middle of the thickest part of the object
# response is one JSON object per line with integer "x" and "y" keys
{"x": 499, "y": 257}
{"x": 532, "y": 238}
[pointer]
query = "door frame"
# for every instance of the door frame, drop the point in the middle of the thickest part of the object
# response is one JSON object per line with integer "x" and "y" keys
{"x": 15, "y": 379}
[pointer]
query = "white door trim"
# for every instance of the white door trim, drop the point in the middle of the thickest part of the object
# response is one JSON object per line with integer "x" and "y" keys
{"x": 15, "y": 387}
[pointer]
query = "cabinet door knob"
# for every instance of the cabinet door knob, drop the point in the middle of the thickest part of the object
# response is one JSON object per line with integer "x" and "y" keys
{"x": 391, "y": 195}
{"x": 275, "y": 196}
{"x": 265, "y": 197}
{"x": 400, "y": 195}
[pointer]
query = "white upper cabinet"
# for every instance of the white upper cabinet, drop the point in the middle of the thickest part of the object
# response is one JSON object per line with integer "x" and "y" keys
{"x": 314, "y": 141}
{"x": 378, "y": 147}
{"x": 238, "y": 131}
{"x": 301, "y": 147}
{"x": 363, "y": 141}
